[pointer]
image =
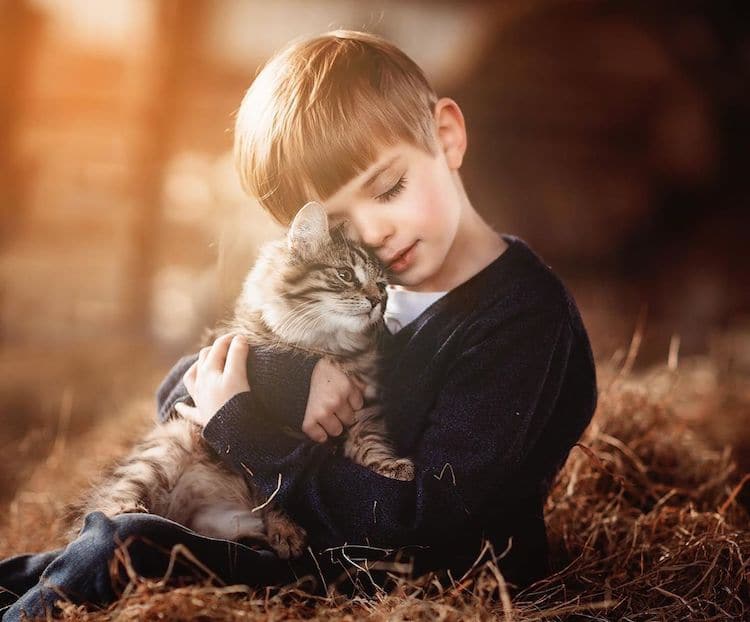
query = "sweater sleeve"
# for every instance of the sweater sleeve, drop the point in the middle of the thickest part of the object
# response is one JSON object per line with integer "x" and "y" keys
{"x": 280, "y": 383}
{"x": 172, "y": 390}
{"x": 495, "y": 401}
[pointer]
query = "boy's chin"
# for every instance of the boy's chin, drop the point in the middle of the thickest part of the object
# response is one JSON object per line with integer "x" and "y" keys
{"x": 405, "y": 279}
{"x": 398, "y": 279}
{"x": 412, "y": 277}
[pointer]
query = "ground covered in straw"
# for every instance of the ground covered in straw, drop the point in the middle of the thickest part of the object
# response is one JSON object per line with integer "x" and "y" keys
{"x": 649, "y": 519}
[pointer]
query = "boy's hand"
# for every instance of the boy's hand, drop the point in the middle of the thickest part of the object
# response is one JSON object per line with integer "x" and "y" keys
{"x": 334, "y": 397}
{"x": 219, "y": 374}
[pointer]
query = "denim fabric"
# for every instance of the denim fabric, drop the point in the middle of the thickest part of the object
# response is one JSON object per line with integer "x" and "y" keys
{"x": 30, "y": 584}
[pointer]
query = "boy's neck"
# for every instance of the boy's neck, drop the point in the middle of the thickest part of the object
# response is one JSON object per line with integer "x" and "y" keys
{"x": 475, "y": 246}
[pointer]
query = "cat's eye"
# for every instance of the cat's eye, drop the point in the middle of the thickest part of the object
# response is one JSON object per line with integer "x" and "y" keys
{"x": 345, "y": 274}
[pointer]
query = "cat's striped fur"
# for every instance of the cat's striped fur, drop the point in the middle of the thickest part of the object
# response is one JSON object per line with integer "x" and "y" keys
{"x": 314, "y": 291}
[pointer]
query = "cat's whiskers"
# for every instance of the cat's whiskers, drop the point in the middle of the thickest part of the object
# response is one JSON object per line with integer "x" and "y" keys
{"x": 297, "y": 326}
{"x": 292, "y": 327}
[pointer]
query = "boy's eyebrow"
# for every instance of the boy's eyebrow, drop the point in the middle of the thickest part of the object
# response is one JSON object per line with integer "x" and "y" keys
{"x": 377, "y": 172}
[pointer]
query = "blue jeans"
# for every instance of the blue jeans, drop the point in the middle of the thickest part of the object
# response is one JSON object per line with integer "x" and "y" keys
{"x": 80, "y": 572}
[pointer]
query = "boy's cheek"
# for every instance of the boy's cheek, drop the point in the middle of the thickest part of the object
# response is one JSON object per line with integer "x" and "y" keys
{"x": 430, "y": 207}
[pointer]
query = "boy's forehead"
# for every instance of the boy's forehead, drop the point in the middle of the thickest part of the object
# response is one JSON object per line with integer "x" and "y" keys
{"x": 385, "y": 159}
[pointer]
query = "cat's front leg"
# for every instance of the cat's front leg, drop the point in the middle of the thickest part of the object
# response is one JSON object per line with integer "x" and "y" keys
{"x": 396, "y": 468}
{"x": 367, "y": 444}
{"x": 285, "y": 536}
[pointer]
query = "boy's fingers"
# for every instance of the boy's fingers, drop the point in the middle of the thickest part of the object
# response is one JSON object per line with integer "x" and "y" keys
{"x": 203, "y": 354}
{"x": 356, "y": 401}
{"x": 218, "y": 354}
{"x": 189, "y": 412}
{"x": 237, "y": 355}
{"x": 332, "y": 425}
{"x": 188, "y": 378}
{"x": 315, "y": 432}
{"x": 345, "y": 414}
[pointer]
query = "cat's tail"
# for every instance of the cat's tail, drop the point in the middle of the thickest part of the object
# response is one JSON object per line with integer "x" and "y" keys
{"x": 142, "y": 482}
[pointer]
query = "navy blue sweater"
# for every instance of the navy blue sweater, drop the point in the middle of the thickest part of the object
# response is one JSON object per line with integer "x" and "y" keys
{"x": 487, "y": 391}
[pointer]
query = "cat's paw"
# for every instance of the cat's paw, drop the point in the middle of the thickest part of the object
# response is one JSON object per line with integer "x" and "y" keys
{"x": 400, "y": 468}
{"x": 286, "y": 537}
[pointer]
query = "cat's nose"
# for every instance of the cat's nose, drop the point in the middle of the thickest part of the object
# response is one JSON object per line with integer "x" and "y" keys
{"x": 374, "y": 302}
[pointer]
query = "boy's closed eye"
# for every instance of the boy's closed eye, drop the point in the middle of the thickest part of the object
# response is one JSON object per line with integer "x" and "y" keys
{"x": 394, "y": 191}
{"x": 384, "y": 197}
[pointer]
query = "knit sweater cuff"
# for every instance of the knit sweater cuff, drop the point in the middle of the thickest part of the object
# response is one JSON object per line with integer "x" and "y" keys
{"x": 240, "y": 429}
{"x": 281, "y": 380}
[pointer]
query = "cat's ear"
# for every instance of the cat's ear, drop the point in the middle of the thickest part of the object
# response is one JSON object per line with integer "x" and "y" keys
{"x": 309, "y": 230}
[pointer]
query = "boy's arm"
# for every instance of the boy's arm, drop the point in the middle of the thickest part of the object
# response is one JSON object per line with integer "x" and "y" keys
{"x": 280, "y": 382}
{"x": 497, "y": 398}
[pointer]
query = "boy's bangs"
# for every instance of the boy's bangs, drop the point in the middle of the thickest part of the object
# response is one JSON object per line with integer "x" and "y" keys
{"x": 330, "y": 146}
{"x": 321, "y": 112}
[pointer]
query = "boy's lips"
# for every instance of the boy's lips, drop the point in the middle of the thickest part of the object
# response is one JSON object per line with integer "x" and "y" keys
{"x": 401, "y": 259}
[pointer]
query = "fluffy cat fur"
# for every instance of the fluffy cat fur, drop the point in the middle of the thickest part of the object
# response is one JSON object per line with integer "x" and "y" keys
{"x": 314, "y": 291}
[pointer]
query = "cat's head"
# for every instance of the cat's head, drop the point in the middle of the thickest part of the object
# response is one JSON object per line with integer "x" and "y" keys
{"x": 325, "y": 284}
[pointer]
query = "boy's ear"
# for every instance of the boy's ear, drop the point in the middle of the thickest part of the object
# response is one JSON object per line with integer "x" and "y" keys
{"x": 309, "y": 230}
{"x": 451, "y": 131}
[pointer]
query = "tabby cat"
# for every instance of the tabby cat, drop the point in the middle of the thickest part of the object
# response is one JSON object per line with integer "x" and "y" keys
{"x": 315, "y": 291}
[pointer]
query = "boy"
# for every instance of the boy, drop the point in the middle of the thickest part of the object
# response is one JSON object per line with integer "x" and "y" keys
{"x": 488, "y": 376}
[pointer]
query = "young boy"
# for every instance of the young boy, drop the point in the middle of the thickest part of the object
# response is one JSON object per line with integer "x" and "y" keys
{"x": 488, "y": 377}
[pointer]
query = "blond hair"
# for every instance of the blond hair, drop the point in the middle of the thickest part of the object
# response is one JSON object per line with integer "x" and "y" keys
{"x": 319, "y": 112}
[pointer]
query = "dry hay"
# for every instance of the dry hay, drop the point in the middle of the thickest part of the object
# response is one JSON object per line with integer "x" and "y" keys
{"x": 647, "y": 521}
{"x": 650, "y": 515}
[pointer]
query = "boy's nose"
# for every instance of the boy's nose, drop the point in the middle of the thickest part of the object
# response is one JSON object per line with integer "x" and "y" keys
{"x": 373, "y": 232}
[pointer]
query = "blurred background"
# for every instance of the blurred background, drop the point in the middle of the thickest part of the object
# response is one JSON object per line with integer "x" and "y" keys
{"x": 611, "y": 136}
